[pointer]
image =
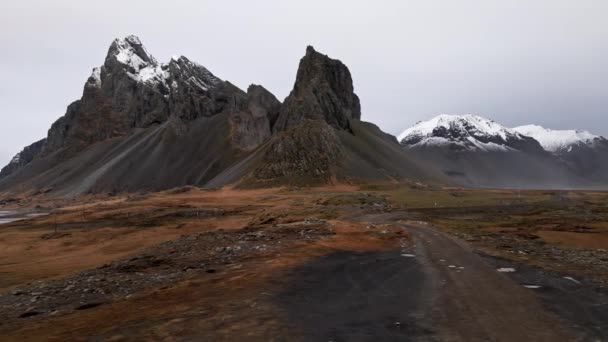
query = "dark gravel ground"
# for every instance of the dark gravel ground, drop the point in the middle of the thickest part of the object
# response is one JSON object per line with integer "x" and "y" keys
{"x": 581, "y": 304}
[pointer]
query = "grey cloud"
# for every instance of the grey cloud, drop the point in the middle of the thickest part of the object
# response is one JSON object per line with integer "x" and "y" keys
{"x": 517, "y": 62}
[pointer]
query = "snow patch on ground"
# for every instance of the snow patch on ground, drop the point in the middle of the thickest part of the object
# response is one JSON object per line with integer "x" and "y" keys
{"x": 572, "y": 280}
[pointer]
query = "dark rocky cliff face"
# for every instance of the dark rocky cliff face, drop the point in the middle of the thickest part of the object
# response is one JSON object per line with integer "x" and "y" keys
{"x": 132, "y": 90}
{"x": 323, "y": 91}
{"x": 306, "y": 155}
{"x": 250, "y": 124}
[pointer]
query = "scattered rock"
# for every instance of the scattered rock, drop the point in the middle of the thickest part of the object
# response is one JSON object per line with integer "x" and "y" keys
{"x": 30, "y": 314}
{"x": 50, "y": 236}
{"x": 88, "y": 306}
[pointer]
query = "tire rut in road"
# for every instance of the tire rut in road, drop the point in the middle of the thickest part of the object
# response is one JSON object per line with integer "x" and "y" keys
{"x": 473, "y": 302}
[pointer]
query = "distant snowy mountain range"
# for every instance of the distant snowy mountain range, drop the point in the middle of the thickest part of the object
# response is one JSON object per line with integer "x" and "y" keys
{"x": 559, "y": 140}
{"x": 477, "y": 151}
{"x": 473, "y": 132}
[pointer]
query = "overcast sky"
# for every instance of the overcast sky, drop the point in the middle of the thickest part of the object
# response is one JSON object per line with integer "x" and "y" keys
{"x": 517, "y": 62}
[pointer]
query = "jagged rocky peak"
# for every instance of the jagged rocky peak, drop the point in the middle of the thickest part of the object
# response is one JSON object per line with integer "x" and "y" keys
{"x": 130, "y": 52}
{"x": 323, "y": 91}
{"x": 128, "y": 56}
{"x": 133, "y": 90}
{"x": 466, "y": 132}
{"x": 195, "y": 74}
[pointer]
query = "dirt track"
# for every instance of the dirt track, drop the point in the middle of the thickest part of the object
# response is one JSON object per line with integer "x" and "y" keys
{"x": 474, "y": 302}
{"x": 436, "y": 290}
{"x": 444, "y": 292}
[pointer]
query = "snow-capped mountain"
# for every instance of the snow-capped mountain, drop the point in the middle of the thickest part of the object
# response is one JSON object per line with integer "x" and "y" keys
{"x": 175, "y": 118}
{"x": 465, "y": 132}
{"x": 143, "y": 67}
{"x": 560, "y": 141}
{"x": 480, "y": 152}
{"x": 584, "y": 153}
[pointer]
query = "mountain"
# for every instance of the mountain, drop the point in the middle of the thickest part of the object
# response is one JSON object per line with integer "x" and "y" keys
{"x": 561, "y": 141}
{"x": 319, "y": 137}
{"x": 466, "y": 132}
{"x": 585, "y": 154}
{"x": 475, "y": 151}
{"x": 323, "y": 91}
{"x": 145, "y": 125}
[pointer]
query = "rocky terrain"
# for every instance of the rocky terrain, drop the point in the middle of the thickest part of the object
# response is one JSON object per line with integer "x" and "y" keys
{"x": 329, "y": 263}
{"x": 165, "y": 264}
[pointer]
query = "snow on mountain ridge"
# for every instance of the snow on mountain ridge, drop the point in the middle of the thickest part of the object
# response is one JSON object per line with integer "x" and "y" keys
{"x": 475, "y": 132}
{"x": 468, "y": 131}
{"x": 130, "y": 51}
{"x": 142, "y": 67}
{"x": 557, "y": 140}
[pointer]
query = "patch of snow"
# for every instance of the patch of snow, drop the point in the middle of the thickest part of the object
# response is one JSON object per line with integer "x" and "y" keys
{"x": 532, "y": 286}
{"x": 572, "y": 280}
{"x": 556, "y": 140}
{"x": 154, "y": 74}
{"x": 203, "y": 86}
{"x": 209, "y": 77}
{"x": 490, "y": 146}
{"x": 96, "y": 77}
{"x": 127, "y": 53}
{"x": 37, "y": 214}
{"x": 128, "y": 57}
{"x": 434, "y": 141}
{"x": 407, "y": 255}
{"x": 506, "y": 269}
{"x": 16, "y": 159}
